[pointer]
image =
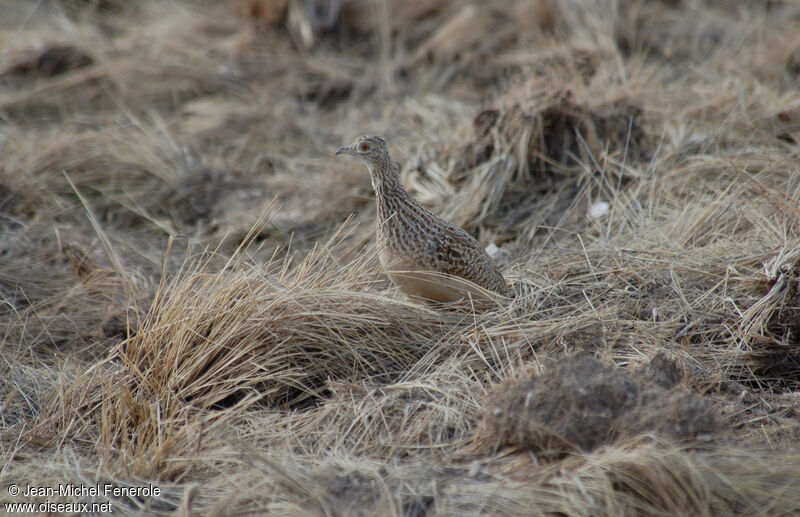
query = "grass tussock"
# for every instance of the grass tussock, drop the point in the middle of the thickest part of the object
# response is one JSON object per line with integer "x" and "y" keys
{"x": 213, "y": 345}
{"x": 632, "y": 164}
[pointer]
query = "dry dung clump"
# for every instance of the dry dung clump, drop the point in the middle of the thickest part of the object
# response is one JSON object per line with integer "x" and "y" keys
{"x": 544, "y": 131}
{"x": 581, "y": 404}
{"x": 529, "y": 159}
{"x": 48, "y": 62}
{"x": 775, "y": 356}
{"x": 266, "y": 12}
{"x": 662, "y": 370}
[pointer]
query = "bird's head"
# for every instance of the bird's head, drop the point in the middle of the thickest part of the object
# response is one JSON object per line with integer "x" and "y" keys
{"x": 371, "y": 149}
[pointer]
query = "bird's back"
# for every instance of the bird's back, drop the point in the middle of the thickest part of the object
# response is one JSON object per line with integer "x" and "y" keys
{"x": 420, "y": 250}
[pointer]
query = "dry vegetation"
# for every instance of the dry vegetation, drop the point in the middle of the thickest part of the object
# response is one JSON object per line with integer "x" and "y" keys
{"x": 190, "y": 295}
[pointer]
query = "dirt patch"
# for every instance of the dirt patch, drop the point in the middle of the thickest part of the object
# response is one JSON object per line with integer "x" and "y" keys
{"x": 581, "y": 404}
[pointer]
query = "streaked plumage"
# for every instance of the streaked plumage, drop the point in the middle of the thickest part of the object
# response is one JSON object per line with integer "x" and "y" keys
{"x": 423, "y": 254}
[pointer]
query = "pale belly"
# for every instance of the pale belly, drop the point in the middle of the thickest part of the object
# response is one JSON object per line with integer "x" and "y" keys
{"x": 429, "y": 284}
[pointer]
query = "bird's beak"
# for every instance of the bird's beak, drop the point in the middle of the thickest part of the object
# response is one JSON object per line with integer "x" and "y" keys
{"x": 342, "y": 150}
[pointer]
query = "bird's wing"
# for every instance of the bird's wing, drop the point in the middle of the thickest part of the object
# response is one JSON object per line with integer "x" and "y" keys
{"x": 455, "y": 252}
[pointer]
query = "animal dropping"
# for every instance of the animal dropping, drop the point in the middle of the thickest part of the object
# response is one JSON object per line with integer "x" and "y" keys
{"x": 424, "y": 255}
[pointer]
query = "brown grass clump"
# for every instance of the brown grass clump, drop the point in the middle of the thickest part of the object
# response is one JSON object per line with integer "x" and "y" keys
{"x": 633, "y": 165}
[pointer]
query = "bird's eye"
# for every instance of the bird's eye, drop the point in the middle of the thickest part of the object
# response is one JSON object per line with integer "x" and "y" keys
{"x": 364, "y": 147}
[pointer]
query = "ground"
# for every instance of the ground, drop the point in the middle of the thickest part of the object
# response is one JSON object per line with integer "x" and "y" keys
{"x": 191, "y": 296}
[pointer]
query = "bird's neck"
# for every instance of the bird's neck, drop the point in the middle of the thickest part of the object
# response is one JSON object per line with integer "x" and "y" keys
{"x": 389, "y": 193}
{"x": 385, "y": 176}
{"x": 383, "y": 171}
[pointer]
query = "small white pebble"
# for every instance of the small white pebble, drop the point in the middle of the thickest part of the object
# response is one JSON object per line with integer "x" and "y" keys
{"x": 499, "y": 255}
{"x": 598, "y": 209}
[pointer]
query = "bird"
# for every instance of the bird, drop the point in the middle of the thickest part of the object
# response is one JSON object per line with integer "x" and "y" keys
{"x": 424, "y": 255}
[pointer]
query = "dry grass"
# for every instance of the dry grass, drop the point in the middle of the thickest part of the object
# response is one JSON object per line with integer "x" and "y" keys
{"x": 190, "y": 295}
